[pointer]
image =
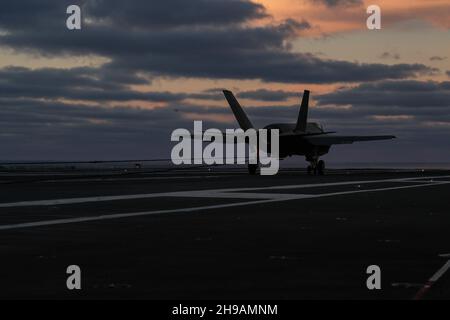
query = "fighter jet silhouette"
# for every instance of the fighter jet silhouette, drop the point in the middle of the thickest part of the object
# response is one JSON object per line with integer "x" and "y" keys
{"x": 302, "y": 138}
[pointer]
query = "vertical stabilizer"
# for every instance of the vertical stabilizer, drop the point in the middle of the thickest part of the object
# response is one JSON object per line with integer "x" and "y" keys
{"x": 239, "y": 113}
{"x": 303, "y": 114}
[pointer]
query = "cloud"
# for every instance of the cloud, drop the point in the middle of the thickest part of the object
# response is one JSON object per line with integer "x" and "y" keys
{"x": 174, "y": 13}
{"x": 85, "y": 112}
{"x": 437, "y": 58}
{"x": 268, "y": 95}
{"x": 38, "y": 129}
{"x": 407, "y": 93}
{"x": 33, "y": 14}
{"x": 73, "y": 132}
{"x": 50, "y": 14}
{"x": 338, "y": 3}
{"x": 388, "y": 55}
{"x": 84, "y": 83}
{"x": 124, "y": 132}
{"x": 190, "y": 46}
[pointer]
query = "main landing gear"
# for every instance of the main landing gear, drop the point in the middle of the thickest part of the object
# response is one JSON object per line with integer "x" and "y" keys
{"x": 252, "y": 168}
{"x": 316, "y": 168}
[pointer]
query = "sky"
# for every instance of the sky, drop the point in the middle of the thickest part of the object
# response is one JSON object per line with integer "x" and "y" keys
{"x": 139, "y": 69}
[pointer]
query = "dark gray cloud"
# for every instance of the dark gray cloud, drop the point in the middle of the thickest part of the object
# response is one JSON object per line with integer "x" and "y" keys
{"x": 410, "y": 94}
{"x": 267, "y": 65}
{"x": 33, "y": 14}
{"x": 47, "y": 131}
{"x": 50, "y": 14}
{"x": 76, "y": 84}
{"x": 52, "y": 130}
{"x": 41, "y": 130}
{"x": 147, "y": 39}
{"x": 227, "y": 49}
{"x": 174, "y": 13}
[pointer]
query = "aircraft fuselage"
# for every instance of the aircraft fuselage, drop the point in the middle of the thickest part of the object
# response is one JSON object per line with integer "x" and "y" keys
{"x": 294, "y": 144}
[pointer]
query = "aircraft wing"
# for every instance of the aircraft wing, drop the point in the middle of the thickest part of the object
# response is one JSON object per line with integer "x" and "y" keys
{"x": 302, "y": 134}
{"x": 330, "y": 140}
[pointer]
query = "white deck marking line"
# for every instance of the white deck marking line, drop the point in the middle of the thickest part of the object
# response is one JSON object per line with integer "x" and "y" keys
{"x": 215, "y": 191}
{"x": 196, "y": 209}
{"x": 285, "y": 197}
{"x": 417, "y": 181}
{"x": 124, "y": 215}
{"x": 237, "y": 195}
{"x": 330, "y": 184}
{"x": 81, "y": 200}
{"x": 129, "y": 179}
{"x": 427, "y": 286}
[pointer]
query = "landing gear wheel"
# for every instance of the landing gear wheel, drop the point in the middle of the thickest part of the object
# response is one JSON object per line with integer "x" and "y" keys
{"x": 321, "y": 168}
{"x": 252, "y": 169}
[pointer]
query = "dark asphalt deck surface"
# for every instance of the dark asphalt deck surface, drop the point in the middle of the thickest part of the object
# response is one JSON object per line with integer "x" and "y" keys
{"x": 316, "y": 245}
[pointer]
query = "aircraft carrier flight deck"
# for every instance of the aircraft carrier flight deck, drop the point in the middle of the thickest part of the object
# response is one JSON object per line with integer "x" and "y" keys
{"x": 222, "y": 234}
